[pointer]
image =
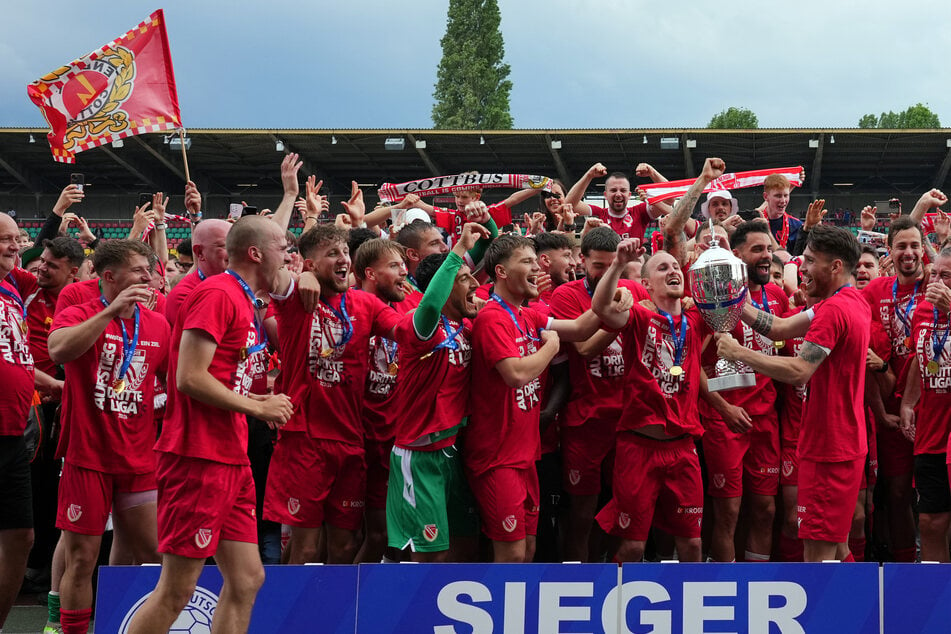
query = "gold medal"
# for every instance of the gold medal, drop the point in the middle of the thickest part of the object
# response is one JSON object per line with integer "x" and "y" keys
{"x": 426, "y": 356}
{"x": 676, "y": 370}
{"x": 118, "y": 386}
{"x": 393, "y": 368}
{"x": 243, "y": 353}
{"x": 326, "y": 352}
{"x": 23, "y": 327}
{"x": 908, "y": 342}
{"x": 779, "y": 344}
{"x": 932, "y": 367}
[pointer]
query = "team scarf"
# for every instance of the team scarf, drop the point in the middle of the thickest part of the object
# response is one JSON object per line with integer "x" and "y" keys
{"x": 657, "y": 192}
{"x": 394, "y": 192}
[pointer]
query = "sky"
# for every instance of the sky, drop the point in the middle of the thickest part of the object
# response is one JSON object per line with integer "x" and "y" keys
{"x": 575, "y": 63}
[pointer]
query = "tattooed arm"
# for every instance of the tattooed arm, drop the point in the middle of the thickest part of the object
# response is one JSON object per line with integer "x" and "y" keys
{"x": 776, "y": 328}
{"x": 674, "y": 239}
{"x": 791, "y": 370}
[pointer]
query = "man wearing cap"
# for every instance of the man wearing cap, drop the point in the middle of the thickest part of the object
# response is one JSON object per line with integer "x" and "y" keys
{"x": 719, "y": 205}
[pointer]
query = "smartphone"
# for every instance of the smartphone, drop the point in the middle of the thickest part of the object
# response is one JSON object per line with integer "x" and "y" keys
{"x": 234, "y": 210}
{"x": 748, "y": 214}
{"x": 143, "y": 199}
{"x": 77, "y": 179}
{"x": 892, "y": 206}
{"x": 249, "y": 211}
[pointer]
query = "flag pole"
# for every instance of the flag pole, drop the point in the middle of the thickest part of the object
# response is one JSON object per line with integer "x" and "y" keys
{"x": 181, "y": 135}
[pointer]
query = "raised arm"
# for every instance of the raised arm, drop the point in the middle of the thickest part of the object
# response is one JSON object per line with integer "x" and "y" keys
{"x": 674, "y": 239}
{"x": 576, "y": 193}
{"x": 776, "y": 328}
{"x": 601, "y": 301}
{"x": 157, "y": 238}
{"x": 290, "y": 166}
{"x": 928, "y": 201}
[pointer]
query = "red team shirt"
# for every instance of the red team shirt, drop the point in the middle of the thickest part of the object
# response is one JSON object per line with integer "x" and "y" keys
{"x": 178, "y": 294}
{"x": 221, "y": 310}
{"x": 40, "y": 307}
{"x": 453, "y": 220}
{"x": 879, "y": 296}
{"x": 760, "y": 399}
{"x": 833, "y": 425}
{"x": 933, "y": 411}
{"x": 16, "y": 362}
{"x": 503, "y": 431}
{"x": 82, "y": 292}
{"x": 433, "y": 393}
{"x": 327, "y": 391}
{"x": 597, "y": 383}
{"x": 632, "y": 224}
{"x": 653, "y": 395}
{"x": 378, "y": 420}
{"x": 108, "y": 431}
{"x": 793, "y": 396}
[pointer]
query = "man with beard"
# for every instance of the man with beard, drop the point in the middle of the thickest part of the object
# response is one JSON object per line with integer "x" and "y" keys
{"x": 513, "y": 346}
{"x": 428, "y": 504}
{"x": 318, "y": 470}
{"x": 627, "y": 222}
{"x": 926, "y": 409}
{"x": 554, "y": 258}
{"x": 893, "y": 300}
{"x": 832, "y": 443}
{"x": 596, "y": 368}
{"x": 741, "y": 443}
{"x": 112, "y": 349}
{"x": 720, "y": 205}
{"x": 380, "y": 270}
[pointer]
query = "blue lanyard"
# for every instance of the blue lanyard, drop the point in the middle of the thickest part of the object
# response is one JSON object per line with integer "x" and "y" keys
{"x": 765, "y": 306}
{"x": 260, "y": 333}
{"x": 588, "y": 288}
{"x": 201, "y": 276}
{"x": 389, "y": 348}
{"x": 840, "y": 288}
{"x": 903, "y": 318}
{"x": 15, "y": 297}
{"x": 344, "y": 320}
{"x": 412, "y": 280}
{"x": 679, "y": 340}
{"x": 936, "y": 345}
{"x": 501, "y": 302}
{"x": 450, "y": 340}
{"x": 128, "y": 345}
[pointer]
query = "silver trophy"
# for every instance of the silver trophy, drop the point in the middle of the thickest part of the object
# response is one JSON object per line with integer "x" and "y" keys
{"x": 718, "y": 285}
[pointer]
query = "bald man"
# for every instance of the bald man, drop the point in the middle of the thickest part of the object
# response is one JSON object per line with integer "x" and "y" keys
{"x": 211, "y": 258}
{"x": 17, "y": 375}
{"x": 206, "y": 494}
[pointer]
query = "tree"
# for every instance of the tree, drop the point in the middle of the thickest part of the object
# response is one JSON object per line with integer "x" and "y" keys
{"x": 734, "y": 119}
{"x": 917, "y": 116}
{"x": 472, "y": 89}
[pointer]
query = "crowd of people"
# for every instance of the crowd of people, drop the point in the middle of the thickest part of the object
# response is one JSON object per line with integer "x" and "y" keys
{"x": 433, "y": 384}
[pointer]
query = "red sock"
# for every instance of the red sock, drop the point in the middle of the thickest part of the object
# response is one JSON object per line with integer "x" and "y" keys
{"x": 790, "y": 548}
{"x": 857, "y": 546}
{"x": 848, "y": 559}
{"x": 904, "y": 555}
{"x": 75, "y": 621}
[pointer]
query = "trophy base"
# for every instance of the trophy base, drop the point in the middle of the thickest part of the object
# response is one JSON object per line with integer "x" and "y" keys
{"x": 731, "y": 382}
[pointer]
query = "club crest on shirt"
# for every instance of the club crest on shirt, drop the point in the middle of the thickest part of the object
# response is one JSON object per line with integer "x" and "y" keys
{"x": 574, "y": 476}
{"x": 74, "y": 512}
{"x": 623, "y": 520}
{"x": 719, "y": 480}
{"x": 293, "y": 506}
{"x": 203, "y": 537}
{"x": 509, "y": 524}
{"x": 430, "y": 532}
{"x": 787, "y": 468}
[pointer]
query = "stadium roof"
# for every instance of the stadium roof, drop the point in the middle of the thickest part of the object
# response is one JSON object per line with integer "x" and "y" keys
{"x": 236, "y": 162}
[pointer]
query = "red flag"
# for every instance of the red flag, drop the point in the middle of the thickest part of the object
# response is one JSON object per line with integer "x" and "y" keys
{"x": 126, "y": 87}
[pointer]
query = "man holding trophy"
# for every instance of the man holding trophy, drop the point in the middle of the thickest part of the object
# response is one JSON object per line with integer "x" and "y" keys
{"x": 832, "y": 441}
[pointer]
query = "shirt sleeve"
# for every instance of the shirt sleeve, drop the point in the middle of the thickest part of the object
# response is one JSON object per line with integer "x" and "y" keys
{"x": 495, "y": 338}
{"x": 827, "y": 328}
{"x": 210, "y": 311}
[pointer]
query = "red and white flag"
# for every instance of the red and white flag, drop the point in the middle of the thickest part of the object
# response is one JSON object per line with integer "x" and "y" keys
{"x": 126, "y": 87}
{"x": 738, "y": 180}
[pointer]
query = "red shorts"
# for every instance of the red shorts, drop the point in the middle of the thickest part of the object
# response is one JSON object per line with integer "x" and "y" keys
{"x": 828, "y": 492}
{"x": 789, "y": 471}
{"x": 508, "y": 502}
{"x": 378, "y": 471}
{"x": 86, "y": 496}
{"x": 896, "y": 454}
{"x": 738, "y": 462}
{"x": 654, "y": 474}
{"x": 587, "y": 456}
{"x": 200, "y": 503}
{"x": 312, "y": 481}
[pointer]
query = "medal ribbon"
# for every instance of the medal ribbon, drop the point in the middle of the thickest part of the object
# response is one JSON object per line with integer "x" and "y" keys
{"x": 201, "y": 276}
{"x": 344, "y": 321}
{"x": 450, "y": 340}
{"x": 938, "y": 345}
{"x": 903, "y": 317}
{"x": 128, "y": 345}
{"x": 259, "y": 331}
{"x": 679, "y": 340}
{"x": 765, "y": 306}
{"x": 389, "y": 350}
{"x": 15, "y": 297}
{"x": 501, "y": 302}
{"x": 588, "y": 288}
